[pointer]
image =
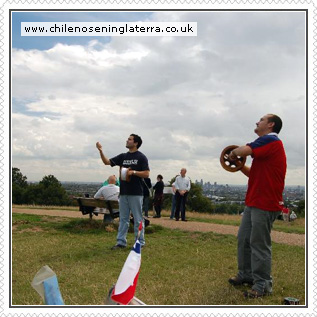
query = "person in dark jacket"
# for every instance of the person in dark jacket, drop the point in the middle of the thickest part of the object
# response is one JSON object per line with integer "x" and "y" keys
{"x": 158, "y": 196}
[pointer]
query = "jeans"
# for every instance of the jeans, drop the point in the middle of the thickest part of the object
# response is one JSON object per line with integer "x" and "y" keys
{"x": 255, "y": 248}
{"x": 129, "y": 203}
{"x": 145, "y": 207}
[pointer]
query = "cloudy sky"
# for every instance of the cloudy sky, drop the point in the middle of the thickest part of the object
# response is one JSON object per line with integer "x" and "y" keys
{"x": 187, "y": 97}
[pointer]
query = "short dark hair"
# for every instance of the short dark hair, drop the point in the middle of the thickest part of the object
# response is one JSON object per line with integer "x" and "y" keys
{"x": 277, "y": 122}
{"x": 137, "y": 139}
{"x": 160, "y": 176}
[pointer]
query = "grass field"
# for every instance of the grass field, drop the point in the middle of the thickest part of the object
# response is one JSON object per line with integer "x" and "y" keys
{"x": 178, "y": 268}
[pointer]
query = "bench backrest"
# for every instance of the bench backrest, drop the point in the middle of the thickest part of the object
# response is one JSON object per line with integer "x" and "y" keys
{"x": 101, "y": 203}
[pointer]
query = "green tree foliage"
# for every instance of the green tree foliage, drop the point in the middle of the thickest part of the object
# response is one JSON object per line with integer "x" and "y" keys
{"x": 19, "y": 186}
{"x": 48, "y": 191}
{"x": 51, "y": 192}
{"x": 18, "y": 178}
{"x": 196, "y": 201}
{"x": 231, "y": 209}
{"x": 33, "y": 195}
{"x": 49, "y": 181}
{"x": 300, "y": 210}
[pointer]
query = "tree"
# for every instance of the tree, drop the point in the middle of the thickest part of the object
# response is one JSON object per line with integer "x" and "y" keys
{"x": 49, "y": 181}
{"x": 19, "y": 186}
{"x": 196, "y": 200}
{"x": 51, "y": 192}
{"x": 18, "y": 178}
{"x": 228, "y": 208}
{"x": 33, "y": 195}
{"x": 300, "y": 210}
{"x": 221, "y": 208}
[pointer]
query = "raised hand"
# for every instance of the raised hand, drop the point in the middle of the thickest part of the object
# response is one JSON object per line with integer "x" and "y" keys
{"x": 99, "y": 146}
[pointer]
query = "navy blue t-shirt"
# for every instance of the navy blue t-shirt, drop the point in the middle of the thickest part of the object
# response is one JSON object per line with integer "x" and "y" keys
{"x": 137, "y": 161}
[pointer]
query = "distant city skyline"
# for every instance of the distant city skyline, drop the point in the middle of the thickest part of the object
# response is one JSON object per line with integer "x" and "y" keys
{"x": 167, "y": 183}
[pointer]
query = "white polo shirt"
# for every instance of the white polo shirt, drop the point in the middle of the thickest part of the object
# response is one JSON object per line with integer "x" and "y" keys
{"x": 108, "y": 192}
{"x": 182, "y": 183}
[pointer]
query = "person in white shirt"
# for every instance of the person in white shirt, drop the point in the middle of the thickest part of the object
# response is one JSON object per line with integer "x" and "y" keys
{"x": 182, "y": 186}
{"x": 110, "y": 191}
{"x": 292, "y": 216}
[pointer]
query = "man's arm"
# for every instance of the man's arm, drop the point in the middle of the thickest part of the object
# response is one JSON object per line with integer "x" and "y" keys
{"x": 243, "y": 151}
{"x": 105, "y": 160}
{"x": 142, "y": 174}
{"x": 98, "y": 195}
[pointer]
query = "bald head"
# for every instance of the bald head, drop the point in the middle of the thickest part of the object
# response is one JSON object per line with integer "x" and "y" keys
{"x": 112, "y": 179}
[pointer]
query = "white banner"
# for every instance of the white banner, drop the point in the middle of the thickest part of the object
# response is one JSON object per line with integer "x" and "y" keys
{"x": 108, "y": 28}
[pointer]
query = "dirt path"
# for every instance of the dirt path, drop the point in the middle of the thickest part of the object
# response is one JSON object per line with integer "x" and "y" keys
{"x": 278, "y": 237}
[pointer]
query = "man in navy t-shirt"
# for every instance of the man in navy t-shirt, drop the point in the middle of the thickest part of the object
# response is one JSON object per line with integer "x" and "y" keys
{"x": 133, "y": 168}
{"x": 264, "y": 202}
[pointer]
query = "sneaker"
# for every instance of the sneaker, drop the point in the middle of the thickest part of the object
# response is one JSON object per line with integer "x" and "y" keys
{"x": 235, "y": 281}
{"x": 118, "y": 246}
{"x": 254, "y": 294}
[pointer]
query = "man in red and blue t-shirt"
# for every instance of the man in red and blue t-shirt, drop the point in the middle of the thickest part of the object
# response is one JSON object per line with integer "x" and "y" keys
{"x": 264, "y": 203}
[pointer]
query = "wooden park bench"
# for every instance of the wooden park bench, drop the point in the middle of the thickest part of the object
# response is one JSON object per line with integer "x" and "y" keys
{"x": 92, "y": 206}
{"x": 108, "y": 208}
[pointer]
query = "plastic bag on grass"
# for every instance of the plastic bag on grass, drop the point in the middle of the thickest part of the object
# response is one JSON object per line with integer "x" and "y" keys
{"x": 46, "y": 284}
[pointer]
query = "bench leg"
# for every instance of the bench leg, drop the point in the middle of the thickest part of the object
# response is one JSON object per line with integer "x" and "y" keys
{"x": 107, "y": 218}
